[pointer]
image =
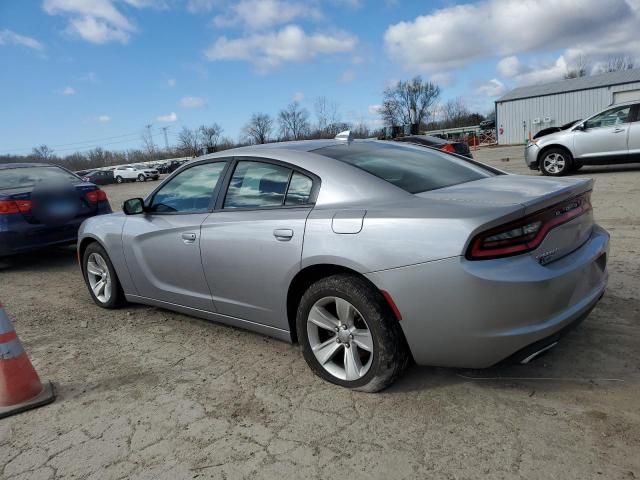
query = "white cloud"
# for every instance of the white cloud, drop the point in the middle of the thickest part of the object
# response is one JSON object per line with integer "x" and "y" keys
{"x": 68, "y": 91}
{"x": 257, "y": 14}
{"x": 192, "y": 102}
{"x": 8, "y": 37}
{"x": 89, "y": 77}
{"x": 510, "y": 67}
{"x": 451, "y": 37}
{"x": 104, "y": 118}
{"x": 289, "y": 44}
{"x": 443, "y": 79}
{"x": 374, "y": 109}
{"x": 298, "y": 97}
{"x": 492, "y": 88}
{"x": 171, "y": 82}
{"x": 197, "y": 6}
{"x": 98, "y": 21}
{"x": 348, "y": 75}
{"x": 170, "y": 117}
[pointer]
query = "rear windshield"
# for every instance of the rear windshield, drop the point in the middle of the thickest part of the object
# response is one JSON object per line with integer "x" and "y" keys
{"x": 412, "y": 169}
{"x": 29, "y": 176}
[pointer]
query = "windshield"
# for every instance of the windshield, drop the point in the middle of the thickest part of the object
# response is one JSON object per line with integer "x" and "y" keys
{"x": 29, "y": 176}
{"x": 412, "y": 169}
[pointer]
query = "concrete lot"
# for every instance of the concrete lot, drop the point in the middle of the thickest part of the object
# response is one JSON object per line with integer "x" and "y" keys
{"x": 146, "y": 393}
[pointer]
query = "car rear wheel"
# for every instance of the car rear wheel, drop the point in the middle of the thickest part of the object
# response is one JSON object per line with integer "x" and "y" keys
{"x": 100, "y": 277}
{"x": 556, "y": 162}
{"x": 142, "y": 178}
{"x": 119, "y": 179}
{"x": 348, "y": 334}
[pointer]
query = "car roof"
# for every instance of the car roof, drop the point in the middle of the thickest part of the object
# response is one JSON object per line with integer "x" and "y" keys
{"x": 6, "y": 166}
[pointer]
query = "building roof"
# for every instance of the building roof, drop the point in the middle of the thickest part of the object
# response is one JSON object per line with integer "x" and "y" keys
{"x": 573, "y": 84}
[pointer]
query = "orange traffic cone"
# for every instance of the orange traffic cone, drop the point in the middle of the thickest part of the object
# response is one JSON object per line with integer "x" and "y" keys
{"x": 20, "y": 386}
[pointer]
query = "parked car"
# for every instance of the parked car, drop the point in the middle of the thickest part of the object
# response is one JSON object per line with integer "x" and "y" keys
{"x": 608, "y": 137}
{"x": 447, "y": 146}
{"x": 132, "y": 173}
{"x": 100, "y": 177}
{"x": 487, "y": 124}
{"x": 408, "y": 252}
{"x": 42, "y": 205}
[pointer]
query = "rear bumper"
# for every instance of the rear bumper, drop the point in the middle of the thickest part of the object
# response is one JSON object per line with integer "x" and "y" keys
{"x": 19, "y": 236}
{"x": 473, "y": 314}
{"x": 531, "y": 152}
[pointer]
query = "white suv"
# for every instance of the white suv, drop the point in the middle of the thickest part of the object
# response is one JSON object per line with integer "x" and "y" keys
{"x": 131, "y": 173}
{"x": 610, "y": 136}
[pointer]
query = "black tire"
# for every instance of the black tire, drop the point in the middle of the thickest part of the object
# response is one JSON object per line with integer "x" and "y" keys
{"x": 117, "y": 294}
{"x": 142, "y": 178}
{"x": 390, "y": 352}
{"x": 119, "y": 179}
{"x": 558, "y": 169}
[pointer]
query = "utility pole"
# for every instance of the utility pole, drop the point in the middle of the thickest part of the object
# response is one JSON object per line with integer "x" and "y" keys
{"x": 150, "y": 137}
{"x": 166, "y": 142}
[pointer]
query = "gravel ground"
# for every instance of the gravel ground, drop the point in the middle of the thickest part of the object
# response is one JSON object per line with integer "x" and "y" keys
{"x": 146, "y": 393}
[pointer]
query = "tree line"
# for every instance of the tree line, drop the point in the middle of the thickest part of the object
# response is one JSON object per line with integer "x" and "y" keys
{"x": 414, "y": 101}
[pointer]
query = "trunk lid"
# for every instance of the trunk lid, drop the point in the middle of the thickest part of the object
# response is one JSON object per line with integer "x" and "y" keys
{"x": 533, "y": 194}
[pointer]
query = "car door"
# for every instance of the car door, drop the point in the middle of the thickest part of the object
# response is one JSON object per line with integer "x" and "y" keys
{"x": 604, "y": 137}
{"x": 634, "y": 135}
{"x": 162, "y": 245}
{"x": 252, "y": 244}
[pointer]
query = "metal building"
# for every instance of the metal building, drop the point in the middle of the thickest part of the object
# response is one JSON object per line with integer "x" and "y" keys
{"x": 527, "y": 110}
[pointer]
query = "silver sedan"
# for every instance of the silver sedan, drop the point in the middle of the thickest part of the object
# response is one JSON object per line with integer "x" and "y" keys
{"x": 369, "y": 254}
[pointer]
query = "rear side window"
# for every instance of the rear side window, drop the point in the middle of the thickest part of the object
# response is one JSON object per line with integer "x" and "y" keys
{"x": 414, "y": 170}
{"x": 257, "y": 185}
{"x": 299, "y": 191}
{"x": 30, "y": 176}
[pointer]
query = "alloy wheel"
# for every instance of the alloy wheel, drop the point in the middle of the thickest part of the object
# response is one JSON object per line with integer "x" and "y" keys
{"x": 554, "y": 163}
{"x": 99, "y": 277}
{"x": 340, "y": 338}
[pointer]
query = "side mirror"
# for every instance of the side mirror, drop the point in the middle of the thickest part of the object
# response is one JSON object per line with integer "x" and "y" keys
{"x": 133, "y": 206}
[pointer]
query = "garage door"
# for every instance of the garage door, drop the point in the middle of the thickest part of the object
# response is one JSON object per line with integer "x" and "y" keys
{"x": 628, "y": 96}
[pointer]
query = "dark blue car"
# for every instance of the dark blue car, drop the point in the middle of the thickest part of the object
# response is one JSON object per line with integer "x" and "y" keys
{"x": 43, "y": 205}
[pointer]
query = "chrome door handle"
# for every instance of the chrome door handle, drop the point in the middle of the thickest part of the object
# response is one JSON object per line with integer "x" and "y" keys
{"x": 618, "y": 130}
{"x": 283, "y": 234}
{"x": 188, "y": 237}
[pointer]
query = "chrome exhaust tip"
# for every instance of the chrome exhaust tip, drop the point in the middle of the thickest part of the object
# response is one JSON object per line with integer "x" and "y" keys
{"x": 537, "y": 353}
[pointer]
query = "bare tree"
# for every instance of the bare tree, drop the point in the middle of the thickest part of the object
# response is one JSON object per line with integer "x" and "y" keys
{"x": 294, "y": 122}
{"x": 259, "y": 128}
{"x": 455, "y": 112}
{"x": 616, "y": 63}
{"x": 210, "y": 136}
{"x": 409, "y": 102}
{"x": 43, "y": 153}
{"x": 327, "y": 113}
{"x": 579, "y": 68}
{"x": 188, "y": 142}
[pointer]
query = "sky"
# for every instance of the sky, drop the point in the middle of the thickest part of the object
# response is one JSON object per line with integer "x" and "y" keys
{"x": 77, "y": 74}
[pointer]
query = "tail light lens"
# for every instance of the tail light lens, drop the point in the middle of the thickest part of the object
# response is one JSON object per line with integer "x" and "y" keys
{"x": 526, "y": 234}
{"x": 15, "y": 206}
{"x": 95, "y": 196}
{"x": 448, "y": 148}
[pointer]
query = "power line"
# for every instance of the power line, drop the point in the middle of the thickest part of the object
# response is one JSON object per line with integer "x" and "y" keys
{"x": 90, "y": 147}
{"x": 75, "y": 143}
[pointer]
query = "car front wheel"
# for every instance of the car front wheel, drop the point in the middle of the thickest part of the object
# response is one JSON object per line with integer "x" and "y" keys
{"x": 142, "y": 178}
{"x": 100, "y": 277}
{"x": 349, "y": 335}
{"x": 119, "y": 179}
{"x": 556, "y": 162}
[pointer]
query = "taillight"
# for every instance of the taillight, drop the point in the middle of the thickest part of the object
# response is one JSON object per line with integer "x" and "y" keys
{"x": 15, "y": 206}
{"x": 526, "y": 234}
{"x": 448, "y": 148}
{"x": 95, "y": 196}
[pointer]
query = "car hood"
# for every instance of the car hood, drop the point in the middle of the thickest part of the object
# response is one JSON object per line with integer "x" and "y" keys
{"x": 533, "y": 193}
